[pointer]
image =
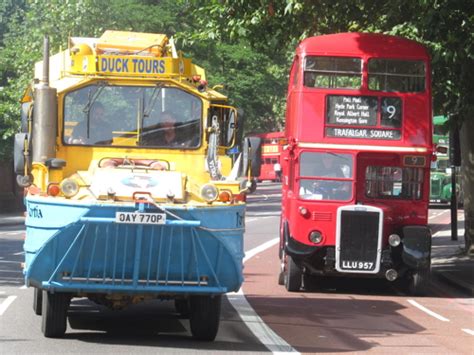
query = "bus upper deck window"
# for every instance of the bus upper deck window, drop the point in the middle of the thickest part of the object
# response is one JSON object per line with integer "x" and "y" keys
{"x": 397, "y": 75}
{"x": 333, "y": 72}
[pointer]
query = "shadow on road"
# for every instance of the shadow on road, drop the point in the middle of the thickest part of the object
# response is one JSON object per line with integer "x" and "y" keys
{"x": 154, "y": 323}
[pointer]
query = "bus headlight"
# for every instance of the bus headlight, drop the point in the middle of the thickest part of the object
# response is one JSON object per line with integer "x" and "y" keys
{"x": 209, "y": 192}
{"x": 394, "y": 240}
{"x": 315, "y": 237}
{"x": 69, "y": 187}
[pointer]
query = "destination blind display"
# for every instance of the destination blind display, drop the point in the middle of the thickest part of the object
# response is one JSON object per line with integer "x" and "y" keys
{"x": 352, "y": 110}
{"x": 353, "y": 113}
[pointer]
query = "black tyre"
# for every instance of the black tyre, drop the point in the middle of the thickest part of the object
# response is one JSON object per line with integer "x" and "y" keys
{"x": 204, "y": 317}
{"x": 55, "y": 306}
{"x": 182, "y": 307}
{"x": 418, "y": 282}
{"x": 293, "y": 275}
{"x": 281, "y": 278}
{"x": 37, "y": 301}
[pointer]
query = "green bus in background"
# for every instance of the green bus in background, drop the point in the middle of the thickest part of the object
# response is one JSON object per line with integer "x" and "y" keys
{"x": 440, "y": 191}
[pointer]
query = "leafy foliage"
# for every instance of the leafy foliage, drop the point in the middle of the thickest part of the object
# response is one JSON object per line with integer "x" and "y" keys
{"x": 254, "y": 81}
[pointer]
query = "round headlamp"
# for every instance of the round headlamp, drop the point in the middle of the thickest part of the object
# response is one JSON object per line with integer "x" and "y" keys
{"x": 394, "y": 240}
{"x": 209, "y": 192}
{"x": 69, "y": 187}
{"x": 315, "y": 237}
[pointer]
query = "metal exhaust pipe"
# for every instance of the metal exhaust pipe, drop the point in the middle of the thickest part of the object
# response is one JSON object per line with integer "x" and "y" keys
{"x": 391, "y": 274}
{"x": 45, "y": 114}
{"x": 45, "y": 79}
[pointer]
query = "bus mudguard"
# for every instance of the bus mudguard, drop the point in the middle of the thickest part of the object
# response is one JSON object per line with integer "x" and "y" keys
{"x": 416, "y": 246}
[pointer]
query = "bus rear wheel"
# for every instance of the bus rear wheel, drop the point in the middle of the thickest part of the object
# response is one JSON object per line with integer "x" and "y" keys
{"x": 54, "y": 321}
{"x": 204, "y": 316}
{"x": 293, "y": 275}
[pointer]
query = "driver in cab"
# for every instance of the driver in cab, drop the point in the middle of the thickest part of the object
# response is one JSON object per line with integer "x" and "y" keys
{"x": 99, "y": 131}
{"x": 328, "y": 166}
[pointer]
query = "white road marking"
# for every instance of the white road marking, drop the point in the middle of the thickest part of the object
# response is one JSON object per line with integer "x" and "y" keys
{"x": 5, "y": 304}
{"x": 256, "y": 325}
{"x": 428, "y": 311}
{"x": 257, "y": 219}
{"x": 19, "y": 253}
{"x": 2, "y": 292}
{"x": 439, "y": 214}
{"x": 251, "y": 253}
{"x": 10, "y": 262}
{"x": 468, "y": 331}
{"x": 24, "y": 287}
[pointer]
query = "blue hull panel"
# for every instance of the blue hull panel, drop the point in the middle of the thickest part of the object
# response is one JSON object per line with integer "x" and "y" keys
{"x": 79, "y": 248}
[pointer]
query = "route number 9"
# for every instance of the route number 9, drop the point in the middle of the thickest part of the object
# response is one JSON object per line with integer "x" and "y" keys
{"x": 392, "y": 111}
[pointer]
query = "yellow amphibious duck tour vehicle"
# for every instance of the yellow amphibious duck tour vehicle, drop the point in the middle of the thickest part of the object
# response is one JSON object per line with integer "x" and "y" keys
{"x": 129, "y": 190}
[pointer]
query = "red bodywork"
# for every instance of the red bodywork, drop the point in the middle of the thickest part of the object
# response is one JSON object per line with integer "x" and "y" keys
{"x": 272, "y": 146}
{"x": 307, "y": 130}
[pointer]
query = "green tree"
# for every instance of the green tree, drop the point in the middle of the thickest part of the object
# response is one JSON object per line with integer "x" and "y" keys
{"x": 446, "y": 27}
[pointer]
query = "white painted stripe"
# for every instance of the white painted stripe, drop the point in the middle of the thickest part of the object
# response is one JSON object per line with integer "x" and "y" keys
{"x": 19, "y": 253}
{"x": 10, "y": 262}
{"x": 5, "y": 304}
{"x": 251, "y": 253}
{"x": 2, "y": 292}
{"x": 262, "y": 332}
{"x": 363, "y": 147}
{"x": 24, "y": 287}
{"x": 251, "y": 219}
{"x": 468, "y": 331}
{"x": 428, "y": 311}
{"x": 439, "y": 214}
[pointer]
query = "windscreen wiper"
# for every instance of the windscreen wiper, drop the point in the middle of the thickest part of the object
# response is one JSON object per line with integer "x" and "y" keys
{"x": 93, "y": 96}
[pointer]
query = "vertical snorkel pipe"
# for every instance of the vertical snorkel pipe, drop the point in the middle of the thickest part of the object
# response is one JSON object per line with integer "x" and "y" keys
{"x": 45, "y": 114}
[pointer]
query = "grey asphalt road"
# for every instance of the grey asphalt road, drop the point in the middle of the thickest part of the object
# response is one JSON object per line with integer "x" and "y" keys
{"x": 153, "y": 326}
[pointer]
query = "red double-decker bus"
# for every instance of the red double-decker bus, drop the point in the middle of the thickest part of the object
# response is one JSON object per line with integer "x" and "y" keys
{"x": 272, "y": 145}
{"x": 356, "y": 167}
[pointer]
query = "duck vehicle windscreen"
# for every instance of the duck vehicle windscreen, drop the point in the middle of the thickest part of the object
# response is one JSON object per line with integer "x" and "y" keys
{"x": 129, "y": 190}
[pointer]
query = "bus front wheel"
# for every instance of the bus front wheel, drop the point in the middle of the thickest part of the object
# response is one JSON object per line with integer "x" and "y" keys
{"x": 418, "y": 281}
{"x": 293, "y": 275}
{"x": 54, "y": 321}
{"x": 205, "y": 312}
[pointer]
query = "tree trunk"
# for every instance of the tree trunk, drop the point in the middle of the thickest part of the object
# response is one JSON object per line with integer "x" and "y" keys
{"x": 467, "y": 172}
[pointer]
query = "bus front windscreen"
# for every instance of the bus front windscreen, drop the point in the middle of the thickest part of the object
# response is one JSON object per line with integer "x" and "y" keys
{"x": 141, "y": 116}
{"x": 325, "y": 176}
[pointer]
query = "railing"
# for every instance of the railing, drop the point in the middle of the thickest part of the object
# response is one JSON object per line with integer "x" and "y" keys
{"x": 175, "y": 257}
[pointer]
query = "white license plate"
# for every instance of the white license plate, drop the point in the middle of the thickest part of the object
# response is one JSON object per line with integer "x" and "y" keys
{"x": 140, "y": 218}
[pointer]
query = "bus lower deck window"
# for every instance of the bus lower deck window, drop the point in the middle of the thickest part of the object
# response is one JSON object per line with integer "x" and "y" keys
{"x": 393, "y": 182}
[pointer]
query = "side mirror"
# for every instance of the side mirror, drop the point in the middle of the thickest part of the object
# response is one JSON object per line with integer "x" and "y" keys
{"x": 26, "y": 115}
{"x": 22, "y": 159}
{"x": 252, "y": 156}
{"x": 231, "y": 127}
{"x": 20, "y": 153}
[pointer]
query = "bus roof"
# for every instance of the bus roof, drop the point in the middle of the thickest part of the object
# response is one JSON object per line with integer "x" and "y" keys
{"x": 367, "y": 44}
